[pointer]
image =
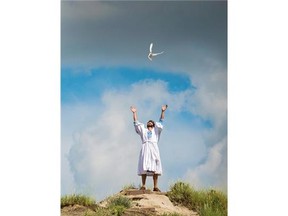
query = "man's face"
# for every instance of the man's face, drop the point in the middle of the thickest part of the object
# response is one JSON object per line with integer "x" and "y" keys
{"x": 150, "y": 124}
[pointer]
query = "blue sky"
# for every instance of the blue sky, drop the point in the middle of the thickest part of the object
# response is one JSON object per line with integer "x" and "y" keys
{"x": 92, "y": 85}
{"x": 105, "y": 70}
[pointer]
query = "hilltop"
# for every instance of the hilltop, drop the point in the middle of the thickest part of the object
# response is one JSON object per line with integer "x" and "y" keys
{"x": 143, "y": 203}
{"x": 180, "y": 200}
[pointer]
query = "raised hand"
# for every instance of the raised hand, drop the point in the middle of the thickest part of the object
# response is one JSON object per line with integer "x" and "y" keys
{"x": 133, "y": 109}
{"x": 164, "y": 107}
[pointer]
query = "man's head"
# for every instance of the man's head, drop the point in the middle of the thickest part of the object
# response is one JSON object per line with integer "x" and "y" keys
{"x": 150, "y": 123}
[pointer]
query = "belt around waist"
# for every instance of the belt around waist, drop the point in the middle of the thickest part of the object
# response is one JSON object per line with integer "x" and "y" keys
{"x": 148, "y": 142}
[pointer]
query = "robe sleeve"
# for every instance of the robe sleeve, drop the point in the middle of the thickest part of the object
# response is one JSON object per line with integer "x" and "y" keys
{"x": 139, "y": 127}
{"x": 159, "y": 125}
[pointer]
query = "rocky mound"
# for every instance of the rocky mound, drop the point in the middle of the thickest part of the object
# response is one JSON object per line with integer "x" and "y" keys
{"x": 147, "y": 202}
{"x": 144, "y": 203}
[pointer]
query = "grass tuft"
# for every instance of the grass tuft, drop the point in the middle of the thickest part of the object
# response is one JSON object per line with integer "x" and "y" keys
{"x": 205, "y": 202}
{"x": 116, "y": 205}
{"x": 181, "y": 193}
{"x": 79, "y": 199}
{"x": 119, "y": 204}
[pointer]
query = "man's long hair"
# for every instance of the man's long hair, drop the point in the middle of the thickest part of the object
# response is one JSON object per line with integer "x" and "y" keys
{"x": 152, "y": 122}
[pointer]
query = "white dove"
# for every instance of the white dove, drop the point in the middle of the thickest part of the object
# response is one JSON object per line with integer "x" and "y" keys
{"x": 151, "y": 54}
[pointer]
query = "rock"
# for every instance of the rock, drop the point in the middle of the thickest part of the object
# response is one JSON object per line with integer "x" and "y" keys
{"x": 147, "y": 202}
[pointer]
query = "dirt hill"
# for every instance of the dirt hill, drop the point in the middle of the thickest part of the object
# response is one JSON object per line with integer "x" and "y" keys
{"x": 144, "y": 203}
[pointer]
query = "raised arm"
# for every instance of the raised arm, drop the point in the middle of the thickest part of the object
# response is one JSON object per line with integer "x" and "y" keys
{"x": 164, "y": 107}
{"x": 134, "y": 111}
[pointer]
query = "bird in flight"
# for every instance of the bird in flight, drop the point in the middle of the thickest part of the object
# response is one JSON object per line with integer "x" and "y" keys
{"x": 151, "y": 54}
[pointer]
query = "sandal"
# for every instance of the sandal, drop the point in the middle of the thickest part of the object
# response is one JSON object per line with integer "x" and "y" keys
{"x": 142, "y": 188}
{"x": 156, "y": 189}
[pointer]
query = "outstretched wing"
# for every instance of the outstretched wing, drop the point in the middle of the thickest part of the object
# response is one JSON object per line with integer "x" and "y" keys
{"x": 155, "y": 54}
{"x": 151, "y": 45}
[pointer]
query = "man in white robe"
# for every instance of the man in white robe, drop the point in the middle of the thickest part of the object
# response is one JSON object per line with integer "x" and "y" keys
{"x": 149, "y": 159}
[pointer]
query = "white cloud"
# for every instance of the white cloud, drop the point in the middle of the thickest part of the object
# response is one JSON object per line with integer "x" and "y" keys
{"x": 210, "y": 102}
{"x": 213, "y": 172}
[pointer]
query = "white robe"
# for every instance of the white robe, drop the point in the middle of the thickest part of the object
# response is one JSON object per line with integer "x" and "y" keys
{"x": 149, "y": 159}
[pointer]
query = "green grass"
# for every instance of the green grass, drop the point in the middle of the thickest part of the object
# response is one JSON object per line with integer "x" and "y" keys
{"x": 116, "y": 205}
{"x": 205, "y": 202}
{"x": 77, "y": 199}
{"x": 119, "y": 204}
{"x": 119, "y": 201}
